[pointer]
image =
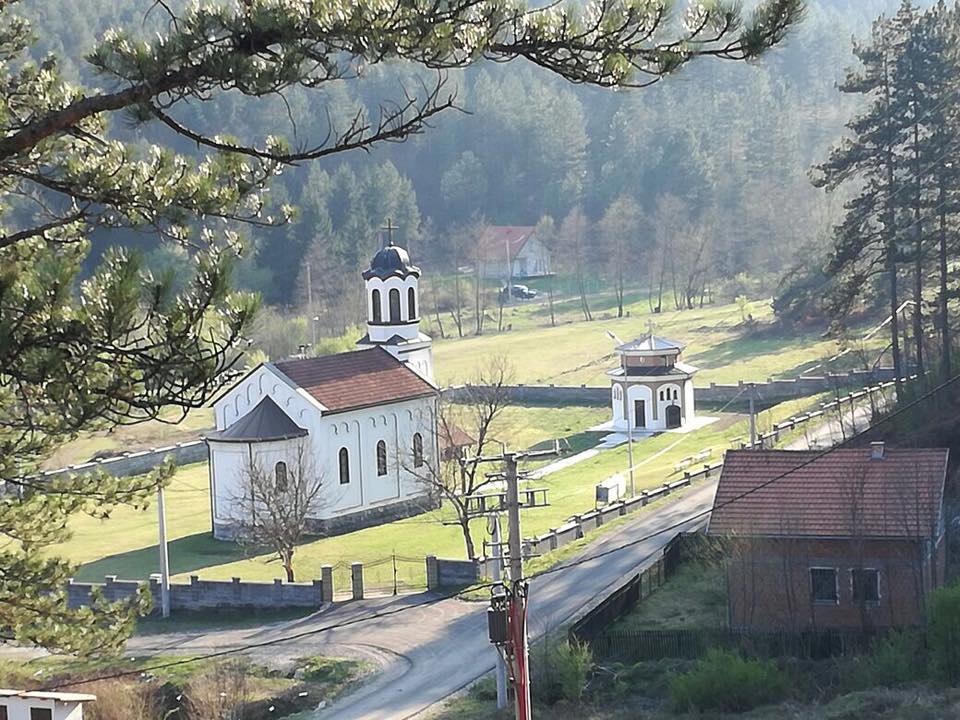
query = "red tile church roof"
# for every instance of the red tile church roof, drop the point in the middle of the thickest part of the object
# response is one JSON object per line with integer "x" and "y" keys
{"x": 354, "y": 380}
{"x": 840, "y": 493}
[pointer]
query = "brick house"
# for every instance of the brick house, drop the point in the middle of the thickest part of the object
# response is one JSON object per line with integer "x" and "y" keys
{"x": 853, "y": 538}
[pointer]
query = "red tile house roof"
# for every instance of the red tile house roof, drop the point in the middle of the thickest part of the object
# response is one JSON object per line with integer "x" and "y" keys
{"x": 354, "y": 380}
{"x": 497, "y": 238}
{"x": 843, "y": 493}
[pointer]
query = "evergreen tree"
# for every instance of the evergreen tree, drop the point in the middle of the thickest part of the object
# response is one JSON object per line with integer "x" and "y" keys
{"x": 867, "y": 238}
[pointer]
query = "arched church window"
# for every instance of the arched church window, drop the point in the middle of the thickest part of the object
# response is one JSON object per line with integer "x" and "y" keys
{"x": 675, "y": 394}
{"x": 411, "y": 304}
{"x": 280, "y": 476}
{"x": 394, "y": 306}
{"x": 382, "y": 453}
{"x": 417, "y": 450}
{"x": 377, "y": 308}
{"x": 661, "y": 394}
{"x": 344, "y": 463}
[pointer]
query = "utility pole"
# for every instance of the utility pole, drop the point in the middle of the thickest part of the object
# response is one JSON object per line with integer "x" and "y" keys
{"x": 630, "y": 411}
{"x": 164, "y": 555}
{"x": 753, "y": 417}
{"x": 310, "y": 313}
{"x": 507, "y": 615}
{"x": 501, "y": 668}
{"x": 517, "y": 615}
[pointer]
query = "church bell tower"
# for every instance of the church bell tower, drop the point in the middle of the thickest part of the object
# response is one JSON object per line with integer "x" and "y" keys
{"x": 393, "y": 308}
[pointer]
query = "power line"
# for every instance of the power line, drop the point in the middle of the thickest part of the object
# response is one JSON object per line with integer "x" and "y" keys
{"x": 548, "y": 571}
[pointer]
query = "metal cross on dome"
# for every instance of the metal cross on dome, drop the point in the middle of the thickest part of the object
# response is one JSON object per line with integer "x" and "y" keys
{"x": 390, "y": 227}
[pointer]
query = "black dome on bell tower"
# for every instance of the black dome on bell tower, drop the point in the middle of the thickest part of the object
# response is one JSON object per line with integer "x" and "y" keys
{"x": 391, "y": 261}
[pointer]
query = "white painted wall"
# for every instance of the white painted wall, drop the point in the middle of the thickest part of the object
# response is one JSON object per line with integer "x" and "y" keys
{"x": 533, "y": 259}
{"x": 688, "y": 402}
{"x": 19, "y": 708}
{"x": 358, "y": 431}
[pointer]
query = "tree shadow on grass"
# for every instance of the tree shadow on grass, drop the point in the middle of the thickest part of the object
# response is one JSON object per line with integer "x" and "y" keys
{"x": 187, "y": 554}
{"x": 741, "y": 349}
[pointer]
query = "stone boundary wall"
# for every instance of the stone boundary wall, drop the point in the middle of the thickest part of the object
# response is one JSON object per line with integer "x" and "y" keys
{"x": 206, "y": 594}
{"x": 771, "y": 389}
{"x": 136, "y": 463}
{"x": 451, "y": 573}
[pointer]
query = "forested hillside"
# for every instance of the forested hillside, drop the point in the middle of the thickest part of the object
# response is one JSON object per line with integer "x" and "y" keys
{"x": 714, "y": 161}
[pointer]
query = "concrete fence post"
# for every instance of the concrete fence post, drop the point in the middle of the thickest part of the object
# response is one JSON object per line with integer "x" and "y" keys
{"x": 552, "y": 538}
{"x": 433, "y": 573}
{"x": 356, "y": 580}
{"x": 326, "y": 578}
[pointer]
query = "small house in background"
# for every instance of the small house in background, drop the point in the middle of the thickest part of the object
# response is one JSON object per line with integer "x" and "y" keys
{"x": 512, "y": 252}
{"x": 454, "y": 441}
{"x": 851, "y": 538}
{"x": 36, "y": 705}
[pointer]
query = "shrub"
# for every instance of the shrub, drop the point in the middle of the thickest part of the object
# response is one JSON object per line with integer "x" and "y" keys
{"x": 560, "y": 671}
{"x": 943, "y": 633}
{"x": 725, "y": 681}
{"x": 220, "y": 693}
{"x": 894, "y": 659}
{"x": 122, "y": 701}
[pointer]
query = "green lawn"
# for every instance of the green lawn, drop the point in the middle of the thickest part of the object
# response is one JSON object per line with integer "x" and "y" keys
{"x": 694, "y": 597}
{"x": 125, "y": 545}
{"x": 576, "y": 352}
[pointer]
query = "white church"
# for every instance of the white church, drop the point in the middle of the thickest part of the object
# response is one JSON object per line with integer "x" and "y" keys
{"x": 652, "y": 388}
{"x": 368, "y": 417}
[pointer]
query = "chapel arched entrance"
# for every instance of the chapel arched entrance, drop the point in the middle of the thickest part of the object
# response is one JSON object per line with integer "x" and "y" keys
{"x": 673, "y": 416}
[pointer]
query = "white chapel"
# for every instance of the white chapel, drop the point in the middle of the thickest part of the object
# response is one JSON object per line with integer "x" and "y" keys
{"x": 652, "y": 388}
{"x": 368, "y": 417}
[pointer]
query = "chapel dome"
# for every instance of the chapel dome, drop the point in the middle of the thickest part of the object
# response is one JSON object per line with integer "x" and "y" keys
{"x": 391, "y": 261}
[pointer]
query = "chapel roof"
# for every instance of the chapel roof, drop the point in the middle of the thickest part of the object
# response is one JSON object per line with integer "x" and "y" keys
{"x": 355, "y": 380}
{"x": 266, "y": 422}
{"x": 846, "y": 492}
{"x": 651, "y": 343}
{"x": 391, "y": 261}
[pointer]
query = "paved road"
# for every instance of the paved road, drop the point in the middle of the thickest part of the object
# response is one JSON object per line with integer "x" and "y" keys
{"x": 426, "y": 653}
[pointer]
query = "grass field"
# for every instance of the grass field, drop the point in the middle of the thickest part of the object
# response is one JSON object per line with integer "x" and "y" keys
{"x": 125, "y": 545}
{"x": 573, "y": 353}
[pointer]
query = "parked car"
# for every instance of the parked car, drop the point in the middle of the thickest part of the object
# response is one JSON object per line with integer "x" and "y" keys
{"x": 518, "y": 292}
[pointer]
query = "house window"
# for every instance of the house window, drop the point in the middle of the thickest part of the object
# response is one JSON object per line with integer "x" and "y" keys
{"x": 41, "y": 713}
{"x": 381, "y": 458}
{"x": 417, "y": 450}
{"x": 823, "y": 585}
{"x": 411, "y": 304}
{"x": 865, "y": 583}
{"x": 377, "y": 309}
{"x": 394, "y": 306}
{"x": 280, "y": 476}
{"x": 343, "y": 460}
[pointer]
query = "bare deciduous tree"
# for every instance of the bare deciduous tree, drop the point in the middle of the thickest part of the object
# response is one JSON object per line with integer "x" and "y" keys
{"x": 277, "y": 501}
{"x": 454, "y": 479}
